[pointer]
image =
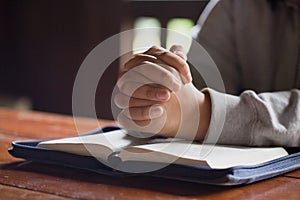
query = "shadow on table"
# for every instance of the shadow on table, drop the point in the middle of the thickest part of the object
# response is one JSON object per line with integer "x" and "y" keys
{"x": 81, "y": 178}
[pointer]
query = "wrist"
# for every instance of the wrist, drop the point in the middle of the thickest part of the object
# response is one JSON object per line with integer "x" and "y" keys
{"x": 205, "y": 115}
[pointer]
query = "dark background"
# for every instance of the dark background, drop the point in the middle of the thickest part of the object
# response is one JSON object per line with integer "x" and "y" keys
{"x": 43, "y": 43}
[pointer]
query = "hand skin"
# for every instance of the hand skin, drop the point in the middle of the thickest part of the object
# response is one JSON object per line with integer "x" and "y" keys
{"x": 150, "y": 101}
{"x": 175, "y": 58}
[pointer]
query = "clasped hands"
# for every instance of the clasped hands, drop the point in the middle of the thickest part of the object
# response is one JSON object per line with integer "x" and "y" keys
{"x": 157, "y": 96}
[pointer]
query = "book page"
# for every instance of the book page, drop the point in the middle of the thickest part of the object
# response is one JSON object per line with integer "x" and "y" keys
{"x": 99, "y": 145}
{"x": 230, "y": 156}
{"x": 166, "y": 150}
{"x": 217, "y": 156}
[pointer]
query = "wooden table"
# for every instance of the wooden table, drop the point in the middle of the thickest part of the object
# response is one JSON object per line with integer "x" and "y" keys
{"x": 21, "y": 179}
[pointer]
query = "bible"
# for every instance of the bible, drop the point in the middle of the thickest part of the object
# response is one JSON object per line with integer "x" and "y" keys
{"x": 181, "y": 159}
{"x": 120, "y": 144}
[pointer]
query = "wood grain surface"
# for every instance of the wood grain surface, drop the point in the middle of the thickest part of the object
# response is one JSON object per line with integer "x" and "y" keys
{"x": 21, "y": 179}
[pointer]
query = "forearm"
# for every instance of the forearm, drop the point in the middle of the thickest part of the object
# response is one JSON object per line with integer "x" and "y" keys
{"x": 258, "y": 119}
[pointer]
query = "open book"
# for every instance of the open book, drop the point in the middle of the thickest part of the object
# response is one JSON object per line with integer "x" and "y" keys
{"x": 162, "y": 150}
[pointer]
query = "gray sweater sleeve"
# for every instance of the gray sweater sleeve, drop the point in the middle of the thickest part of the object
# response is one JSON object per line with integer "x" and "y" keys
{"x": 264, "y": 119}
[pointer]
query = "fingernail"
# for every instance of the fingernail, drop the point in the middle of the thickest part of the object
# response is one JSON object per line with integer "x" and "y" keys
{"x": 187, "y": 78}
{"x": 156, "y": 111}
{"x": 162, "y": 95}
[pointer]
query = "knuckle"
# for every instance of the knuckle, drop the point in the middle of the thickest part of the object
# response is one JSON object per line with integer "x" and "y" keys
{"x": 177, "y": 46}
{"x": 164, "y": 54}
{"x": 154, "y": 47}
{"x": 126, "y": 65}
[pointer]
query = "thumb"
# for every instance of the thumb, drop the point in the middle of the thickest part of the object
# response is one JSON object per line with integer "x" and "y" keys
{"x": 179, "y": 51}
